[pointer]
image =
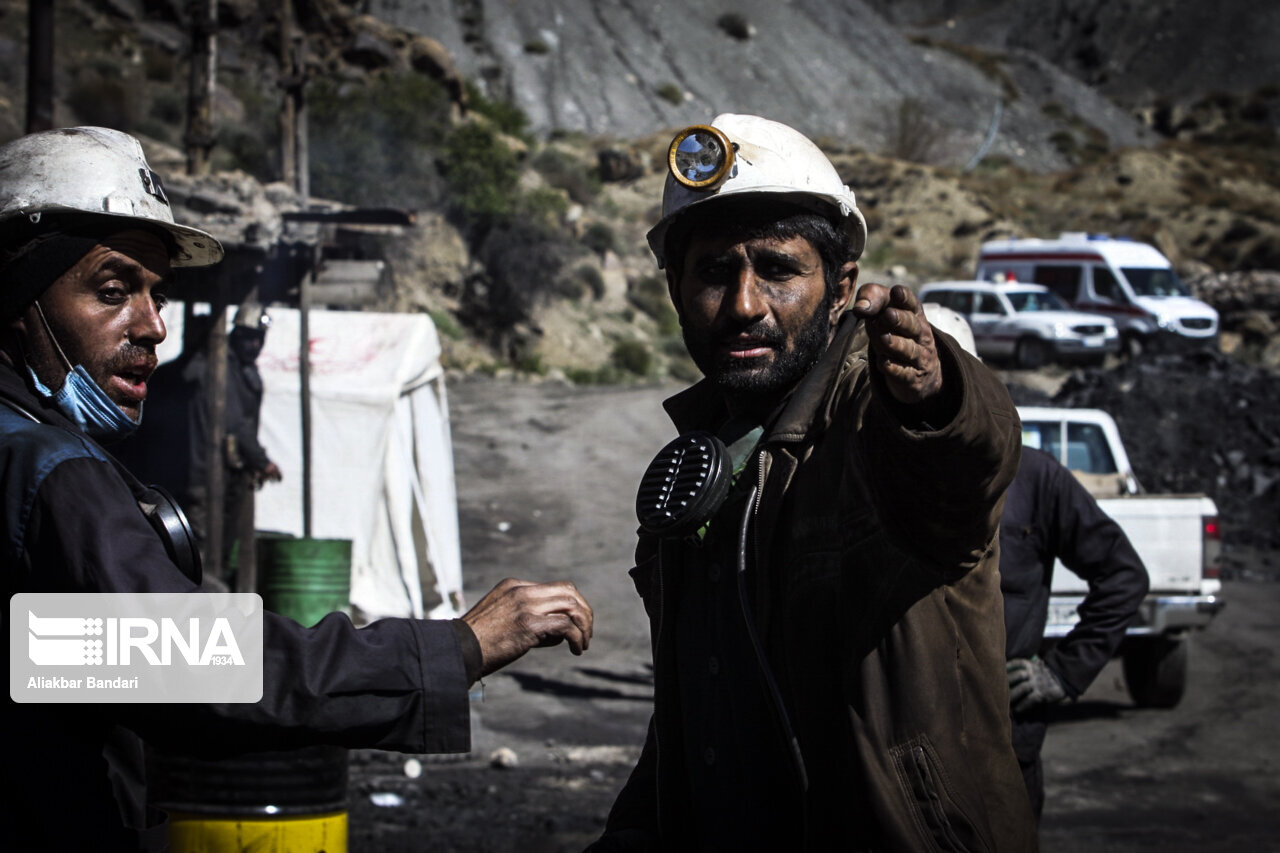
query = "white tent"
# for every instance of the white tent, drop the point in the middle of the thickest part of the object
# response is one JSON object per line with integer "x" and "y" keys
{"x": 381, "y": 455}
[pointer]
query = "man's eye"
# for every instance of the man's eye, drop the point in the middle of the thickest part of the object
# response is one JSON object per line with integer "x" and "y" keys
{"x": 716, "y": 273}
{"x": 113, "y": 293}
{"x": 161, "y": 299}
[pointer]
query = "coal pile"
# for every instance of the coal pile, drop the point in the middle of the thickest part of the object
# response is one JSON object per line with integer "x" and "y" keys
{"x": 1197, "y": 422}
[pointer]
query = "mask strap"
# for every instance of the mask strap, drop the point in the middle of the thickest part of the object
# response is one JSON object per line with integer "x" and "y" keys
{"x": 48, "y": 331}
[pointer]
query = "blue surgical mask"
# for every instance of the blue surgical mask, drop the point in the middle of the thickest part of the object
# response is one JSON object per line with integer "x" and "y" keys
{"x": 81, "y": 400}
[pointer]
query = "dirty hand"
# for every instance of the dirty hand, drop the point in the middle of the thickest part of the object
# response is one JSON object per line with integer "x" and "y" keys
{"x": 1032, "y": 683}
{"x": 517, "y": 615}
{"x": 902, "y": 345}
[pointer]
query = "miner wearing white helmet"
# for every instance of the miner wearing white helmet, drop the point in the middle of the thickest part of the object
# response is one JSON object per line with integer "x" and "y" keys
{"x": 87, "y": 248}
{"x": 818, "y": 547}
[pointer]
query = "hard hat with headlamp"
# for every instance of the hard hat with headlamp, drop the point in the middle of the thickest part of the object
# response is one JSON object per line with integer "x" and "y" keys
{"x": 743, "y": 154}
{"x": 84, "y": 177}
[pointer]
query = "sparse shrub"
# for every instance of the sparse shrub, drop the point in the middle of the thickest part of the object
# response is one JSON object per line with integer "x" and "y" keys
{"x": 633, "y": 357}
{"x": 590, "y": 276}
{"x": 506, "y": 116}
{"x": 562, "y": 170}
{"x": 671, "y": 93}
{"x": 599, "y": 238}
{"x": 372, "y": 144}
{"x": 482, "y": 174}
{"x": 914, "y": 135}
{"x": 531, "y": 362}
{"x": 445, "y": 324}
{"x": 543, "y": 207}
{"x": 649, "y": 294}
{"x": 736, "y": 26}
{"x": 1064, "y": 142}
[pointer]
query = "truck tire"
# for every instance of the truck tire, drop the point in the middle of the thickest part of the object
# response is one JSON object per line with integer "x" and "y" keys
{"x": 1030, "y": 353}
{"x": 1155, "y": 670}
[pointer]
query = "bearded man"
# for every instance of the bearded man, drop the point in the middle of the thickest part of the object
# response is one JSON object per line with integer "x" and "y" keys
{"x": 818, "y": 549}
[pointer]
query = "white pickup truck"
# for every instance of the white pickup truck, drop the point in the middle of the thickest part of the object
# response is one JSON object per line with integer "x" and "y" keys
{"x": 1177, "y": 537}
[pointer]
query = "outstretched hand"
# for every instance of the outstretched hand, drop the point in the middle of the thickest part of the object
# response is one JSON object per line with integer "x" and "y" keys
{"x": 902, "y": 344}
{"x": 517, "y": 615}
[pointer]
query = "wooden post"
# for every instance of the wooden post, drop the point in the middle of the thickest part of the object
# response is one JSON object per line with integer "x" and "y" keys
{"x": 215, "y": 459}
{"x": 290, "y": 84}
{"x": 39, "y": 65}
{"x": 304, "y": 377}
{"x": 200, "y": 136}
{"x": 302, "y": 140}
{"x": 247, "y": 560}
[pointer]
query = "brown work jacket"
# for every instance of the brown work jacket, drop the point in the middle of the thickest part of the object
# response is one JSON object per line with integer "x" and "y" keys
{"x": 874, "y": 554}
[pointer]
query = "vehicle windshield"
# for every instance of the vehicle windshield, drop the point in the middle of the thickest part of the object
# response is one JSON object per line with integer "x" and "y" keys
{"x": 1149, "y": 281}
{"x": 1035, "y": 300}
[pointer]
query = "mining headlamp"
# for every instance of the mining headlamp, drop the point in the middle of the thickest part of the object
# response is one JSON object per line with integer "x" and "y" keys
{"x": 700, "y": 156}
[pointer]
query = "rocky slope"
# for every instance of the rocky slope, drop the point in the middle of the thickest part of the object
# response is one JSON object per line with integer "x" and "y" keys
{"x": 900, "y": 92}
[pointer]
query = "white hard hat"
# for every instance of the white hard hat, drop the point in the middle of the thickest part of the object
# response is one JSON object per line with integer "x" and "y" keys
{"x": 743, "y": 154}
{"x": 94, "y": 170}
{"x": 953, "y": 323}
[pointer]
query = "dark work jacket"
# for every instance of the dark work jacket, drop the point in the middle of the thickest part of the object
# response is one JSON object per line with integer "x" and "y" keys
{"x": 71, "y": 524}
{"x": 1049, "y": 515}
{"x": 874, "y": 559}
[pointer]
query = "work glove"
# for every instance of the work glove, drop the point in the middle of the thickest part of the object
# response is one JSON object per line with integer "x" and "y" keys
{"x": 1032, "y": 683}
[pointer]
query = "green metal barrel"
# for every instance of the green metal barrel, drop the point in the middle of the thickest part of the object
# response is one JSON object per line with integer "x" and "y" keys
{"x": 305, "y": 579}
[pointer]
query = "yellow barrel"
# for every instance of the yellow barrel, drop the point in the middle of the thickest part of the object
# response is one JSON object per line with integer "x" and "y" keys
{"x": 202, "y": 833}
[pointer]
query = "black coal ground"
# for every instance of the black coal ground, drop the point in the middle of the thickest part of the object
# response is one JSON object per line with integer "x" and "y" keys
{"x": 1194, "y": 422}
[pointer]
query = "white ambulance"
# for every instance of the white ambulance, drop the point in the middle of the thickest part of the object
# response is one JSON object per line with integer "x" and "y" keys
{"x": 1130, "y": 282}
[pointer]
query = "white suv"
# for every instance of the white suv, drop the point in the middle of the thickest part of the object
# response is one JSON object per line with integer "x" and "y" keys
{"x": 1025, "y": 322}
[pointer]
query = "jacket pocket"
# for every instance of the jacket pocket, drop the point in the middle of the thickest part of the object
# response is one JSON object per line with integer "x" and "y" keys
{"x": 942, "y": 824}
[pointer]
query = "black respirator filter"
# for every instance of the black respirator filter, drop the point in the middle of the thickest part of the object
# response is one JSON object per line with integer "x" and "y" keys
{"x": 684, "y": 486}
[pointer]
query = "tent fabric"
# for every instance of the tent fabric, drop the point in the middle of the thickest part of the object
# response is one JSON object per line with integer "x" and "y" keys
{"x": 381, "y": 455}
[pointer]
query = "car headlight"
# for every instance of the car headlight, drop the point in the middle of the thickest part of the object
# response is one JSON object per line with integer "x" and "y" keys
{"x": 1111, "y": 332}
{"x": 1061, "y": 330}
{"x": 1165, "y": 321}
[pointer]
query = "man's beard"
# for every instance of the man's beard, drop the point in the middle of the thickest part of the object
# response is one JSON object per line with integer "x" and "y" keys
{"x": 751, "y": 379}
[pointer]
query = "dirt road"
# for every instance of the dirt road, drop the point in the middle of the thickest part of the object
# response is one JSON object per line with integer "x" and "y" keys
{"x": 546, "y": 478}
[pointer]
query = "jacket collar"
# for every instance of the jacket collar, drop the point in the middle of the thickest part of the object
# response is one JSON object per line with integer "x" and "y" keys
{"x": 804, "y": 409}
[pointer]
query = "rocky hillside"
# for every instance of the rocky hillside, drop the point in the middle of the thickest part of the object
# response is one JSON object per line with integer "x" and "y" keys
{"x": 526, "y": 136}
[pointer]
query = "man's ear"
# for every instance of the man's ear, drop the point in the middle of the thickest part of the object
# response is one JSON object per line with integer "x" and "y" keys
{"x": 845, "y": 286}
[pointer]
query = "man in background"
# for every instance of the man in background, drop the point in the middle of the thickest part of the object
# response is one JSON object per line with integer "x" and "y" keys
{"x": 1049, "y": 516}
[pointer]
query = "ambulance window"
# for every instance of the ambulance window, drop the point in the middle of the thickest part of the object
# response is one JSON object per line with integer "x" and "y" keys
{"x": 1062, "y": 280}
{"x": 1106, "y": 287}
{"x": 1155, "y": 282}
